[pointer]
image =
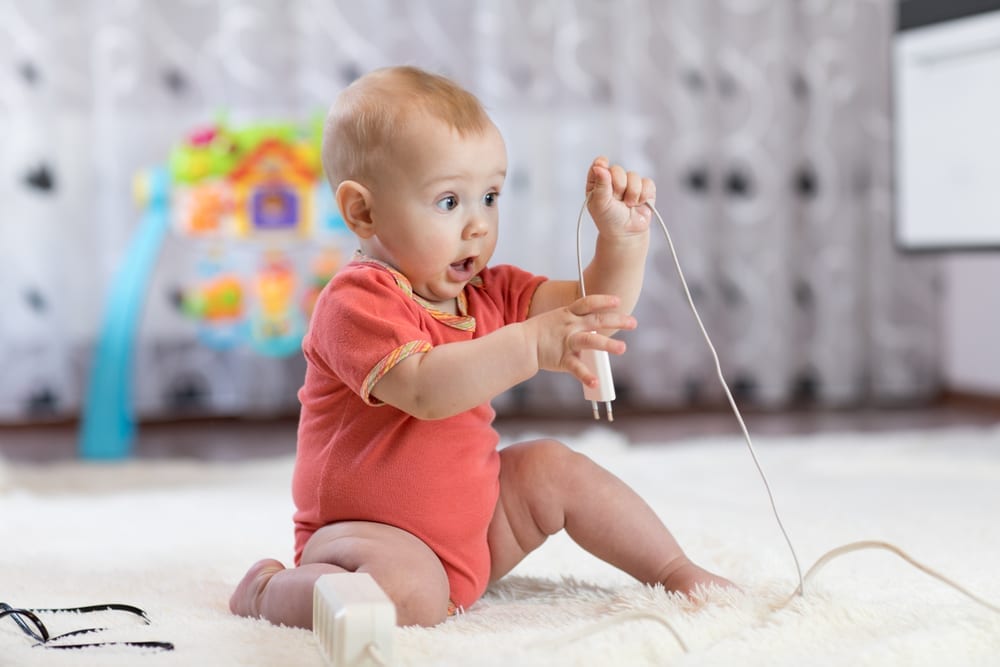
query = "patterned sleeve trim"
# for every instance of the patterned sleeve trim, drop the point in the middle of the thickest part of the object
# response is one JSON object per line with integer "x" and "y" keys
{"x": 389, "y": 362}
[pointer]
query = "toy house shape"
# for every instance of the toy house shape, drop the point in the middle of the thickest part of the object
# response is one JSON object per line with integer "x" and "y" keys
{"x": 273, "y": 191}
{"x": 201, "y": 210}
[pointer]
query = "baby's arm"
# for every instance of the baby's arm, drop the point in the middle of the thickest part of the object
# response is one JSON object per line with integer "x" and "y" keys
{"x": 617, "y": 204}
{"x": 452, "y": 378}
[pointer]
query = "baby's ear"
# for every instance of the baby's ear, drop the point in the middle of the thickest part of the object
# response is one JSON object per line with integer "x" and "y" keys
{"x": 354, "y": 202}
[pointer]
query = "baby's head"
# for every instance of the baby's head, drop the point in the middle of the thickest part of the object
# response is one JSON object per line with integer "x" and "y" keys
{"x": 371, "y": 115}
{"x": 417, "y": 167}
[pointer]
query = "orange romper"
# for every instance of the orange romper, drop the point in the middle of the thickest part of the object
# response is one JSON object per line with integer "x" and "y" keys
{"x": 359, "y": 459}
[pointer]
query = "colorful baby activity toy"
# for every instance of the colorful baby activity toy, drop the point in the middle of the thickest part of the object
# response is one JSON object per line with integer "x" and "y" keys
{"x": 256, "y": 191}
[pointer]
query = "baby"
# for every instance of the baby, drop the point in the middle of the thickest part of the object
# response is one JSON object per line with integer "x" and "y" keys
{"x": 397, "y": 471}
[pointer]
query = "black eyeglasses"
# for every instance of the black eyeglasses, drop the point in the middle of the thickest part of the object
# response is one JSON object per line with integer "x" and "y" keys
{"x": 32, "y": 625}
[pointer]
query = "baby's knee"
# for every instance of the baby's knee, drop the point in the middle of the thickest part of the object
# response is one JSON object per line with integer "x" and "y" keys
{"x": 418, "y": 608}
{"x": 544, "y": 454}
{"x": 419, "y": 600}
{"x": 546, "y": 472}
{"x": 551, "y": 456}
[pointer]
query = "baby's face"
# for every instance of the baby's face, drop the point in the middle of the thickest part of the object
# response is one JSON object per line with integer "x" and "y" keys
{"x": 435, "y": 207}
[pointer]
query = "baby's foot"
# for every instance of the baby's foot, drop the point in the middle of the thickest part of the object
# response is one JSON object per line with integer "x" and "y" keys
{"x": 692, "y": 580}
{"x": 246, "y": 598}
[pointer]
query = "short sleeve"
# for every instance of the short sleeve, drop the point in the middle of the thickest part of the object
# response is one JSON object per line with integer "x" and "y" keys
{"x": 511, "y": 289}
{"x": 362, "y": 326}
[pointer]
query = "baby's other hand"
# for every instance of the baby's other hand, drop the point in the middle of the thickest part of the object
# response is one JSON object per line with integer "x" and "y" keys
{"x": 617, "y": 199}
{"x": 561, "y": 334}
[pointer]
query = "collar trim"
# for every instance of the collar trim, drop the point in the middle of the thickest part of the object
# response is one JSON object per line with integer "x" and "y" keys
{"x": 463, "y": 321}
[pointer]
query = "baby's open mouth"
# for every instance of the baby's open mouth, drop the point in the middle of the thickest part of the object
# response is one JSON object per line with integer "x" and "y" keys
{"x": 462, "y": 270}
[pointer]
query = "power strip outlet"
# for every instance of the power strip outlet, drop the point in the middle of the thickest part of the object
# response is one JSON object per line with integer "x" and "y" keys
{"x": 353, "y": 619}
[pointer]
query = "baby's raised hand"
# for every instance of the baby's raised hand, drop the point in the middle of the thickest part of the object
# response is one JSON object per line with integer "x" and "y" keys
{"x": 562, "y": 333}
{"x": 617, "y": 199}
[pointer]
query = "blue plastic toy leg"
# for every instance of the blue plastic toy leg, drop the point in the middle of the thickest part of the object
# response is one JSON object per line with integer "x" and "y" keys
{"x": 108, "y": 425}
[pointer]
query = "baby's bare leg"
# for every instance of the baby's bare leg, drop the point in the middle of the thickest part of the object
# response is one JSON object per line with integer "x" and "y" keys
{"x": 403, "y": 566}
{"x": 545, "y": 487}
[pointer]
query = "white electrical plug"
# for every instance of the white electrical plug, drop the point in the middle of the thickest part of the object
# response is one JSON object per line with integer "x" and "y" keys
{"x": 353, "y": 619}
{"x": 599, "y": 364}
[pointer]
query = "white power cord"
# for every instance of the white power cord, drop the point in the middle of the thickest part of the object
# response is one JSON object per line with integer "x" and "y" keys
{"x": 823, "y": 560}
{"x": 715, "y": 356}
{"x": 640, "y": 615}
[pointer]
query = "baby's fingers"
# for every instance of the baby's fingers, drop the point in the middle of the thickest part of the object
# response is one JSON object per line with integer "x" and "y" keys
{"x": 579, "y": 370}
{"x": 597, "y": 312}
{"x": 634, "y": 187}
{"x": 619, "y": 180}
{"x": 607, "y": 322}
{"x": 594, "y": 303}
{"x": 591, "y": 340}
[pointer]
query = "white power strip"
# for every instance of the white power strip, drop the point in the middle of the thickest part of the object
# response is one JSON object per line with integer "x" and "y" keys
{"x": 353, "y": 619}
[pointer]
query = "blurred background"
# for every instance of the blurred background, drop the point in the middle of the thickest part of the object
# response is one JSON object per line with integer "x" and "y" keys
{"x": 768, "y": 126}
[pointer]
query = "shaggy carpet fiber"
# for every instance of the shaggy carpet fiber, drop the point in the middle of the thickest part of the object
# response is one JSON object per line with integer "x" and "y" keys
{"x": 174, "y": 537}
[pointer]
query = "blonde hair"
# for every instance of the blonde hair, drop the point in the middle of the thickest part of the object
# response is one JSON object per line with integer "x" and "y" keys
{"x": 371, "y": 113}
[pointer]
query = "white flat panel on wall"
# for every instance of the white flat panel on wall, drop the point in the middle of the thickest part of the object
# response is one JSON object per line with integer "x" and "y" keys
{"x": 947, "y": 141}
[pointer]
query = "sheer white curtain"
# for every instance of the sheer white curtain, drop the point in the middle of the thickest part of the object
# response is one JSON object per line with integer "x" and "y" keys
{"x": 766, "y": 125}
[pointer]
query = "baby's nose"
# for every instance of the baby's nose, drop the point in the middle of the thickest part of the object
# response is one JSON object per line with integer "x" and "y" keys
{"x": 476, "y": 226}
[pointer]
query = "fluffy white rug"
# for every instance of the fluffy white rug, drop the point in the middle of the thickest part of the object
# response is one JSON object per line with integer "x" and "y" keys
{"x": 174, "y": 537}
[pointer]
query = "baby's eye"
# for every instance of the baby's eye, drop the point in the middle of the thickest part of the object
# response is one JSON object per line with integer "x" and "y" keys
{"x": 447, "y": 203}
{"x": 490, "y": 199}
